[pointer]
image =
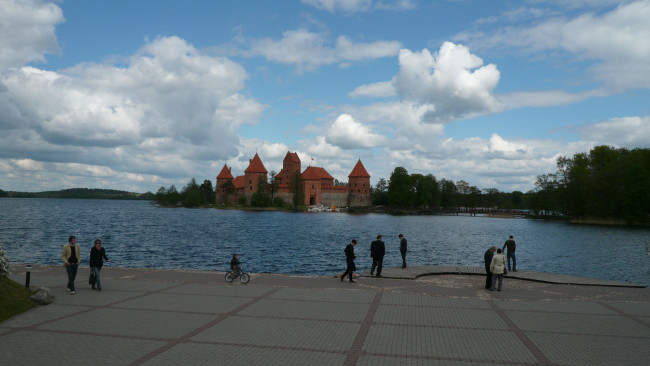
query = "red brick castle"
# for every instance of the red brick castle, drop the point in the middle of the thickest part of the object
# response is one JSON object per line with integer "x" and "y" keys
{"x": 317, "y": 184}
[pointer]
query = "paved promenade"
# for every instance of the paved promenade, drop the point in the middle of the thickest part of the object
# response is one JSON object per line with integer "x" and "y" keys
{"x": 161, "y": 317}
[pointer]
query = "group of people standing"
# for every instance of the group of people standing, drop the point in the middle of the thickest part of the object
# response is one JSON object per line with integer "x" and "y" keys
{"x": 495, "y": 264}
{"x": 72, "y": 257}
{"x": 377, "y": 252}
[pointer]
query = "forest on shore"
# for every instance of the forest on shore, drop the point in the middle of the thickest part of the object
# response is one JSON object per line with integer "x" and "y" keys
{"x": 82, "y": 193}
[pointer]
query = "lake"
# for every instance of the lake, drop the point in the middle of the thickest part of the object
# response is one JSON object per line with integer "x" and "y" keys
{"x": 138, "y": 234}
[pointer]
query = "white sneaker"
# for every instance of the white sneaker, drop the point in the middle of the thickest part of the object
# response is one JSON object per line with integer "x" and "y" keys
{"x": 71, "y": 292}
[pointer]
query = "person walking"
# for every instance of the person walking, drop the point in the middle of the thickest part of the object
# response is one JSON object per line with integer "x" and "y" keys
{"x": 377, "y": 251}
{"x": 349, "y": 260}
{"x": 511, "y": 245}
{"x": 402, "y": 249}
{"x": 498, "y": 268}
{"x": 97, "y": 257}
{"x": 71, "y": 257}
{"x": 487, "y": 259}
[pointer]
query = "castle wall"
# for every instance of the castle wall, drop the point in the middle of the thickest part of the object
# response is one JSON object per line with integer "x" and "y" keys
{"x": 338, "y": 199}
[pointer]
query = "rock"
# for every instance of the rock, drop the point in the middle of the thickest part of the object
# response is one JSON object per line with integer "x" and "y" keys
{"x": 43, "y": 296}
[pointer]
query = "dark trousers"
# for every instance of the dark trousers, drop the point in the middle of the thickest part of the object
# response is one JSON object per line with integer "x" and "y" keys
{"x": 349, "y": 270}
{"x": 514, "y": 260}
{"x": 376, "y": 262}
{"x": 488, "y": 278}
{"x": 72, "y": 274}
{"x": 403, "y": 259}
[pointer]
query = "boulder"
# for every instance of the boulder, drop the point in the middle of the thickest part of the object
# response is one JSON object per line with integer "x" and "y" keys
{"x": 43, "y": 296}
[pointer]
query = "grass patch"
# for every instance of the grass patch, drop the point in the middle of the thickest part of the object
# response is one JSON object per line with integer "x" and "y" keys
{"x": 14, "y": 298}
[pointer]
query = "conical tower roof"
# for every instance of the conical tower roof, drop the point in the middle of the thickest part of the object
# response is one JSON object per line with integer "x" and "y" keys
{"x": 225, "y": 173}
{"x": 256, "y": 166}
{"x": 359, "y": 171}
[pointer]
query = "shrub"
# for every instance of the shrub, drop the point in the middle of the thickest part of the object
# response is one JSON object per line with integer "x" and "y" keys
{"x": 5, "y": 267}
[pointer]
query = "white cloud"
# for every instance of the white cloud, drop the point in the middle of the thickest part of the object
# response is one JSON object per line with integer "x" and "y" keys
{"x": 350, "y": 134}
{"x": 375, "y": 90}
{"x": 27, "y": 31}
{"x": 453, "y": 82}
{"x": 626, "y": 131}
{"x": 354, "y": 6}
{"x": 309, "y": 51}
{"x": 617, "y": 42}
{"x": 165, "y": 113}
{"x": 546, "y": 98}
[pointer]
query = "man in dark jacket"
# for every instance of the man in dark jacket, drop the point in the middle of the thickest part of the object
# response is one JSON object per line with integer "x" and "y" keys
{"x": 402, "y": 249}
{"x": 488, "y": 259}
{"x": 349, "y": 260}
{"x": 511, "y": 245}
{"x": 377, "y": 251}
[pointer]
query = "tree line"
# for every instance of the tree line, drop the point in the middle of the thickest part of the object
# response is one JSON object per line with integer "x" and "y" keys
{"x": 81, "y": 193}
{"x": 605, "y": 183}
{"x": 428, "y": 192}
{"x": 191, "y": 195}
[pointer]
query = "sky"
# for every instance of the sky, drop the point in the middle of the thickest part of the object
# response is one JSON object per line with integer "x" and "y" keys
{"x": 135, "y": 95}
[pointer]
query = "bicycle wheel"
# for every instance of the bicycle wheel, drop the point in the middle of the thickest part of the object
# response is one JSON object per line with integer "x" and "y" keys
{"x": 229, "y": 277}
{"x": 245, "y": 278}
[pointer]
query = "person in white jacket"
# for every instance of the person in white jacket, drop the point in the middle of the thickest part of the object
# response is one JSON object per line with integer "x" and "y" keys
{"x": 497, "y": 267}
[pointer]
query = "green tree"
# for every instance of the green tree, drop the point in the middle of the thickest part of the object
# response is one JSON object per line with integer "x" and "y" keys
{"x": 448, "y": 193}
{"x": 400, "y": 188}
{"x": 423, "y": 190}
{"x": 273, "y": 184}
{"x": 295, "y": 187}
{"x": 229, "y": 189}
{"x": 172, "y": 196}
{"x": 261, "y": 197}
{"x": 378, "y": 193}
{"x": 207, "y": 191}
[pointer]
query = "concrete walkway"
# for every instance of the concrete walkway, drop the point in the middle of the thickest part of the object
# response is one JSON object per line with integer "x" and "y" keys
{"x": 162, "y": 317}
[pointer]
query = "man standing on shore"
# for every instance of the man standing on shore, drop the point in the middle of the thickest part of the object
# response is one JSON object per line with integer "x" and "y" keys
{"x": 377, "y": 251}
{"x": 487, "y": 258}
{"x": 402, "y": 249}
{"x": 510, "y": 244}
{"x": 71, "y": 257}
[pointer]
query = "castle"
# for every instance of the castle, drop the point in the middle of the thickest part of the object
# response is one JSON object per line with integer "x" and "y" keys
{"x": 317, "y": 184}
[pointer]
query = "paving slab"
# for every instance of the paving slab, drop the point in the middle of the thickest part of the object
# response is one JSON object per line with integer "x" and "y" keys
{"x": 463, "y": 344}
{"x": 235, "y": 355}
{"x": 292, "y": 333}
{"x": 32, "y": 347}
{"x": 207, "y": 304}
{"x": 130, "y": 323}
{"x": 439, "y": 317}
{"x": 587, "y": 350}
{"x": 579, "y": 324}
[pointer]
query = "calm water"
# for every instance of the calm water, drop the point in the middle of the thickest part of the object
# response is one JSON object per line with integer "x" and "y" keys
{"x": 138, "y": 234}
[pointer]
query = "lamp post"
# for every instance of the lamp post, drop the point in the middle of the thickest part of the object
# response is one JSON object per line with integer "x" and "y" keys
{"x": 28, "y": 274}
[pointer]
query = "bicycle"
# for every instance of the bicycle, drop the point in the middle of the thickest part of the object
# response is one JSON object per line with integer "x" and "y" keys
{"x": 243, "y": 276}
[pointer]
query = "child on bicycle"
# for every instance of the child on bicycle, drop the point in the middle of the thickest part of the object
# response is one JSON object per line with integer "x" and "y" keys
{"x": 235, "y": 264}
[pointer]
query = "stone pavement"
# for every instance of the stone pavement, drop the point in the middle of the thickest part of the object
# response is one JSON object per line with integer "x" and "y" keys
{"x": 164, "y": 317}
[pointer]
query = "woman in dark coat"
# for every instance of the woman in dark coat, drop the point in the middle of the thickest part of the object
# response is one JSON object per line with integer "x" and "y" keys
{"x": 349, "y": 260}
{"x": 97, "y": 256}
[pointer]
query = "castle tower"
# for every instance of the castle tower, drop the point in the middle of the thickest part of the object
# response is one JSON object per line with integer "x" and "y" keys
{"x": 224, "y": 176}
{"x": 359, "y": 186}
{"x": 255, "y": 170}
{"x": 290, "y": 165}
